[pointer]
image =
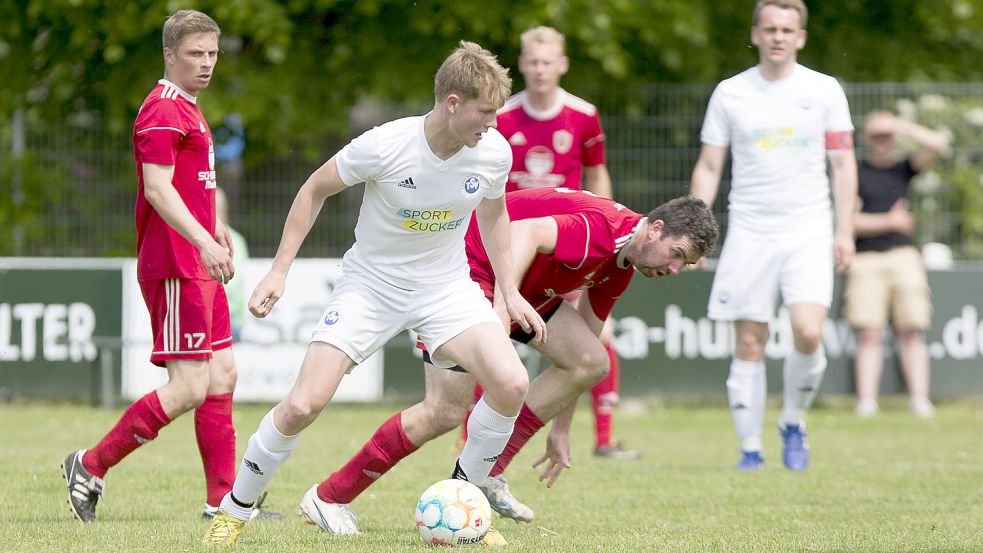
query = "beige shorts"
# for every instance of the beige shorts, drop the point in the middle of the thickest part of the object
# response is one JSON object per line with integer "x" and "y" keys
{"x": 888, "y": 283}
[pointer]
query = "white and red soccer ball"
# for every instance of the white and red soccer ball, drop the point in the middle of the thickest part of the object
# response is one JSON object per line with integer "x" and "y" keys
{"x": 453, "y": 513}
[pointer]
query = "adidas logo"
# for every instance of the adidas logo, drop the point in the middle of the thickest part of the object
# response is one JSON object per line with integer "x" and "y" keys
{"x": 490, "y": 459}
{"x": 407, "y": 183}
{"x": 372, "y": 474}
{"x": 739, "y": 406}
{"x": 252, "y": 466}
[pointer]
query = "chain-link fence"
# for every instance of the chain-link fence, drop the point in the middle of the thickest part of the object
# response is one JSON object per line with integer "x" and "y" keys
{"x": 83, "y": 180}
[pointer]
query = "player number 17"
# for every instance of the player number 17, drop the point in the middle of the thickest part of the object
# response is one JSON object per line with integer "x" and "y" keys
{"x": 194, "y": 339}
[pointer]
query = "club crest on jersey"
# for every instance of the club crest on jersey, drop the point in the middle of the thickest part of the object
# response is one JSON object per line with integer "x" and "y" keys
{"x": 471, "y": 184}
{"x": 562, "y": 141}
{"x": 331, "y": 317}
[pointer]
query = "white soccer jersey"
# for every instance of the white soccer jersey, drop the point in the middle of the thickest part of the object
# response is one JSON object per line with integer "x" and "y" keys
{"x": 416, "y": 207}
{"x": 777, "y": 135}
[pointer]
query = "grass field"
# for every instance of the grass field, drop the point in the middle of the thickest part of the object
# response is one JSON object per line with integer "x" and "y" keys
{"x": 892, "y": 483}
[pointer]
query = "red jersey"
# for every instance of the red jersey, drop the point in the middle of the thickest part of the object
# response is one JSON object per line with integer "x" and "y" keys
{"x": 170, "y": 130}
{"x": 550, "y": 148}
{"x": 591, "y": 233}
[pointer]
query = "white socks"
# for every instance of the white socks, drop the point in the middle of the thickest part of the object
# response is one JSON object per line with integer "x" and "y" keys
{"x": 746, "y": 392}
{"x": 488, "y": 432}
{"x": 267, "y": 450}
{"x": 803, "y": 373}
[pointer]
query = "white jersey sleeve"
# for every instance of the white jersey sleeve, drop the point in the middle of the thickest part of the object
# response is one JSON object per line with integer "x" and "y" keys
{"x": 501, "y": 177}
{"x": 360, "y": 160}
{"x": 716, "y": 125}
{"x": 838, "y": 112}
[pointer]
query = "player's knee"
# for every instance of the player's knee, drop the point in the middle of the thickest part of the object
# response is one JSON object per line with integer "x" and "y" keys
{"x": 193, "y": 396}
{"x": 808, "y": 338}
{"x": 597, "y": 365}
{"x": 299, "y": 411}
{"x": 749, "y": 348}
{"x": 225, "y": 379}
{"x": 514, "y": 389}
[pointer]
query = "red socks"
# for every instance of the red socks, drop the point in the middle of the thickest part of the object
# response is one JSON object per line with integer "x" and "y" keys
{"x": 138, "y": 425}
{"x": 601, "y": 395}
{"x": 525, "y": 427}
{"x": 387, "y": 446}
{"x": 217, "y": 445}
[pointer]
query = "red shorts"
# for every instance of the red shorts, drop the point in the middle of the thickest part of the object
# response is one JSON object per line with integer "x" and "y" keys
{"x": 189, "y": 318}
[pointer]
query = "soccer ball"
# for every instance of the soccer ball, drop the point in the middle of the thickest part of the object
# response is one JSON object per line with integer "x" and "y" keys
{"x": 453, "y": 513}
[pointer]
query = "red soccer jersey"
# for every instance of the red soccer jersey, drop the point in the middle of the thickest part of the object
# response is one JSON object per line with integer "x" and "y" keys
{"x": 170, "y": 130}
{"x": 550, "y": 148}
{"x": 591, "y": 233}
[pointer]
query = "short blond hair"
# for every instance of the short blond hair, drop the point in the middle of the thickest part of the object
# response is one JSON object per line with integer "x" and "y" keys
{"x": 471, "y": 71}
{"x": 186, "y": 22}
{"x": 544, "y": 35}
{"x": 797, "y": 5}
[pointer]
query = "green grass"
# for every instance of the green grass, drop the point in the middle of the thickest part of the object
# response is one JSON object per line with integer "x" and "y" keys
{"x": 892, "y": 483}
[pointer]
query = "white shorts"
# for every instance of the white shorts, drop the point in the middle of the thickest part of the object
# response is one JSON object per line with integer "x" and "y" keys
{"x": 365, "y": 312}
{"x": 754, "y": 266}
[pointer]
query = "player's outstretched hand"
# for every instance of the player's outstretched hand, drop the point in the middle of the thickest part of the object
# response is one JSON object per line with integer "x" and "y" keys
{"x": 844, "y": 248}
{"x": 266, "y": 294}
{"x": 217, "y": 260}
{"x": 525, "y": 316}
{"x": 558, "y": 455}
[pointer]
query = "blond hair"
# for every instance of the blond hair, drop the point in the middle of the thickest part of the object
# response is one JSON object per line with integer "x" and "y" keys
{"x": 544, "y": 35}
{"x": 186, "y": 22}
{"x": 471, "y": 71}
{"x": 797, "y": 5}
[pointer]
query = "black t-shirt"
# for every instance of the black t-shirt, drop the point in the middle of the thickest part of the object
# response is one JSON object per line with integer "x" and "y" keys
{"x": 880, "y": 188}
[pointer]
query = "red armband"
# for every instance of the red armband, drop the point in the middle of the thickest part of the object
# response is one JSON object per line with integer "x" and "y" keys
{"x": 839, "y": 140}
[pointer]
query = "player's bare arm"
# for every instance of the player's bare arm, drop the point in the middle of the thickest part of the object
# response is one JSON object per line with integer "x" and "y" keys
{"x": 706, "y": 179}
{"x": 707, "y": 172}
{"x": 323, "y": 183}
{"x": 160, "y": 193}
{"x": 598, "y": 181}
{"x": 529, "y": 237}
{"x": 843, "y": 177}
{"x": 223, "y": 237}
{"x": 493, "y": 224}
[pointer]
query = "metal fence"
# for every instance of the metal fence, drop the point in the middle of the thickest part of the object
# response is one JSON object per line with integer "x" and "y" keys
{"x": 88, "y": 188}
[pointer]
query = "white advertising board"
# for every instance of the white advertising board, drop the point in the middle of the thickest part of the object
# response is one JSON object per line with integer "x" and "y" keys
{"x": 271, "y": 349}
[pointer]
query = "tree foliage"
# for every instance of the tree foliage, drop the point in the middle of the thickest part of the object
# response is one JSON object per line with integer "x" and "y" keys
{"x": 293, "y": 68}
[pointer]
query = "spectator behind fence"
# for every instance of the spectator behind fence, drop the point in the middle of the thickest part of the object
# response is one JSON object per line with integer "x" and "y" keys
{"x": 887, "y": 277}
{"x": 235, "y": 289}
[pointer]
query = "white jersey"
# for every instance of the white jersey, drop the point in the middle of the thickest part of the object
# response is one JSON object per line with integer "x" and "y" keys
{"x": 776, "y": 131}
{"x": 417, "y": 207}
